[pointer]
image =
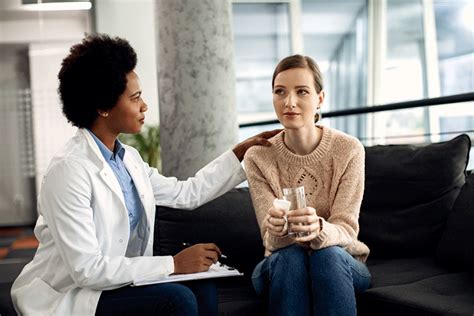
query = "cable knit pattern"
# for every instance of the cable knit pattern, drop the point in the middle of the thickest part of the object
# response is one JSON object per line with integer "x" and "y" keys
{"x": 333, "y": 177}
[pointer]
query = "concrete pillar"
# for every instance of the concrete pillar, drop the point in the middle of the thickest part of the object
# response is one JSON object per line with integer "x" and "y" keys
{"x": 196, "y": 81}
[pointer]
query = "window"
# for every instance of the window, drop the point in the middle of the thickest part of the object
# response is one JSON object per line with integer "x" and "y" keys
{"x": 262, "y": 38}
{"x": 371, "y": 52}
{"x": 403, "y": 73}
{"x": 455, "y": 39}
{"x": 455, "y": 42}
{"x": 335, "y": 35}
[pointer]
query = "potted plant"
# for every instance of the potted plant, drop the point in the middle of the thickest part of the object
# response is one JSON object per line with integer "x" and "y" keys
{"x": 147, "y": 143}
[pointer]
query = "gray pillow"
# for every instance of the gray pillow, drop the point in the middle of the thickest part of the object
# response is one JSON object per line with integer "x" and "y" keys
{"x": 409, "y": 192}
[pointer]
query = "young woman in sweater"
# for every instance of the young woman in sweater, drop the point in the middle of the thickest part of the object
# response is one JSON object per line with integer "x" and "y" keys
{"x": 320, "y": 272}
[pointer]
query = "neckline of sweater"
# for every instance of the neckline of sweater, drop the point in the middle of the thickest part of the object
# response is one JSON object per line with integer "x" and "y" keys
{"x": 315, "y": 156}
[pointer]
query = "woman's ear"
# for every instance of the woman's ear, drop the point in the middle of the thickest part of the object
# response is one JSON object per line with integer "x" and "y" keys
{"x": 321, "y": 97}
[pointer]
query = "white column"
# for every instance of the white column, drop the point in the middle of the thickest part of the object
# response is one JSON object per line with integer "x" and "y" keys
{"x": 432, "y": 114}
{"x": 377, "y": 29}
{"x": 297, "y": 42}
{"x": 196, "y": 81}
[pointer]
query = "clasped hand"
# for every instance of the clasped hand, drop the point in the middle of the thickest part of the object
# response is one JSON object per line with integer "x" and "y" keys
{"x": 277, "y": 224}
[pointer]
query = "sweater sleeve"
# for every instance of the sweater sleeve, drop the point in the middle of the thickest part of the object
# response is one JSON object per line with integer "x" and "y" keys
{"x": 262, "y": 198}
{"x": 342, "y": 226}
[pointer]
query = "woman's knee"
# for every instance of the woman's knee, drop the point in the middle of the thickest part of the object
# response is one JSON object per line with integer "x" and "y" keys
{"x": 289, "y": 260}
{"x": 333, "y": 254}
{"x": 327, "y": 261}
{"x": 289, "y": 256}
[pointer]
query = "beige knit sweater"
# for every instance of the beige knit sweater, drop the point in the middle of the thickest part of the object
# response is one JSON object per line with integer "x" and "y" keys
{"x": 333, "y": 178}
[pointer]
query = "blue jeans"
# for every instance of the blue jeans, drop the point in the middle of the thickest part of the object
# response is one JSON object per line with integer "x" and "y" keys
{"x": 298, "y": 281}
{"x": 188, "y": 298}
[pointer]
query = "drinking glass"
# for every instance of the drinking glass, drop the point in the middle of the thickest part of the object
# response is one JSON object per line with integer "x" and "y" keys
{"x": 297, "y": 200}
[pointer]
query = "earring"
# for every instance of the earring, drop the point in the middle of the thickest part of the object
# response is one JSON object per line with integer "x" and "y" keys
{"x": 318, "y": 116}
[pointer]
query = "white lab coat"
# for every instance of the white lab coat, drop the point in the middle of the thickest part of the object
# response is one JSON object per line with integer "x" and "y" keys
{"x": 83, "y": 226}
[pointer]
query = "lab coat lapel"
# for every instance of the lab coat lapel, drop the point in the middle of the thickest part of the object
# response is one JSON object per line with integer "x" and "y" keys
{"x": 136, "y": 173}
{"x": 110, "y": 179}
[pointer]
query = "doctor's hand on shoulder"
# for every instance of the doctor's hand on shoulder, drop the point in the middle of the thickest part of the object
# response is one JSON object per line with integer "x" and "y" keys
{"x": 197, "y": 258}
{"x": 260, "y": 139}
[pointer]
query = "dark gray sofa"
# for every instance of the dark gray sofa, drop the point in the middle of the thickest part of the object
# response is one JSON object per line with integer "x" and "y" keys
{"x": 417, "y": 217}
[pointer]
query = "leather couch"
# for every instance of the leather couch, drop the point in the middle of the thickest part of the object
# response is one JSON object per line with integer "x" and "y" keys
{"x": 417, "y": 217}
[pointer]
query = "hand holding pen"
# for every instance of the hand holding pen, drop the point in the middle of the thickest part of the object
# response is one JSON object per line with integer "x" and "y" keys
{"x": 187, "y": 244}
{"x": 196, "y": 258}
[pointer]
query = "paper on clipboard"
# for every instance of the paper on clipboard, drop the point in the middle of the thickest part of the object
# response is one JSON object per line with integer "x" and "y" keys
{"x": 217, "y": 270}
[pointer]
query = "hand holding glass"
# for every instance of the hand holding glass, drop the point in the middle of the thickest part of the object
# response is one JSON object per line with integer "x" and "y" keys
{"x": 297, "y": 200}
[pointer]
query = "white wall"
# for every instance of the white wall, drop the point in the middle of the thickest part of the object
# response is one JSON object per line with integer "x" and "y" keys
{"x": 49, "y": 36}
{"x": 27, "y": 27}
{"x": 50, "y": 127}
{"x": 134, "y": 20}
{"x": 46, "y": 38}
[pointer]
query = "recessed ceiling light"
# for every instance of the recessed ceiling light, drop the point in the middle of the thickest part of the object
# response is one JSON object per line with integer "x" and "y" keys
{"x": 57, "y": 6}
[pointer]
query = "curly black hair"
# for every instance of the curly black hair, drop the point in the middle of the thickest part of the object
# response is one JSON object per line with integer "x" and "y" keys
{"x": 93, "y": 76}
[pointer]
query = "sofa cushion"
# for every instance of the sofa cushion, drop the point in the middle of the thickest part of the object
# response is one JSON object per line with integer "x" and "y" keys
{"x": 228, "y": 221}
{"x": 447, "y": 294}
{"x": 456, "y": 248}
{"x": 237, "y": 297}
{"x": 389, "y": 272}
{"x": 409, "y": 192}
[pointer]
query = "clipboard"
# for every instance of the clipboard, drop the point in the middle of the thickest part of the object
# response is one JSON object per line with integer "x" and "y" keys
{"x": 216, "y": 270}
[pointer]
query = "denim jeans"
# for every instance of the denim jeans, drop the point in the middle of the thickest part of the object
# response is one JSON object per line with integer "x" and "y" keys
{"x": 298, "y": 281}
{"x": 187, "y": 298}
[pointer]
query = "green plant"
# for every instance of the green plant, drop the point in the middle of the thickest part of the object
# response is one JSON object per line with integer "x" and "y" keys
{"x": 147, "y": 143}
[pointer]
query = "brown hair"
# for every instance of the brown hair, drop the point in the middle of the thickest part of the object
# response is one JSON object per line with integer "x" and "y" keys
{"x": 299, "y": 61}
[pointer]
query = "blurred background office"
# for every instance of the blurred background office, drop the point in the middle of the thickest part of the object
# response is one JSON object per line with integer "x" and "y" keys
{"x": 396, "y": 71}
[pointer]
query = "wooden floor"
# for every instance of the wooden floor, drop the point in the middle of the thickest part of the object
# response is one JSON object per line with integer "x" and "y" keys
{"x": 17, "y": 242}
{"x": 17, "y": 248}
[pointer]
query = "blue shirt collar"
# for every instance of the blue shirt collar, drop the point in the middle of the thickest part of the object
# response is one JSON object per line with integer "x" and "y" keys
{"x": 108, "y": 155}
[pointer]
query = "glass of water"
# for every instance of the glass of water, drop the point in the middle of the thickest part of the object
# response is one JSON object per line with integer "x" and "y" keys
{"x": 297, "y": 200}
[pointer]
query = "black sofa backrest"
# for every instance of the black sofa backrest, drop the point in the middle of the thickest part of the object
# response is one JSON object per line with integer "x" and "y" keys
{"x": 409, "y": 192}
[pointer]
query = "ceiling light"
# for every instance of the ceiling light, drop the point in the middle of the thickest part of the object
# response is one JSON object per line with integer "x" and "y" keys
{"x": 57, "y": 6}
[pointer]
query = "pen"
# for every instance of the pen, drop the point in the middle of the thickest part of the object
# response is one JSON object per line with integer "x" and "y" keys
{"x": 187, "y": 244}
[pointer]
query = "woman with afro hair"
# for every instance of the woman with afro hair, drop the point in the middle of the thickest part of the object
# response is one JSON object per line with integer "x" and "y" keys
{"x": 97, "y": 203}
